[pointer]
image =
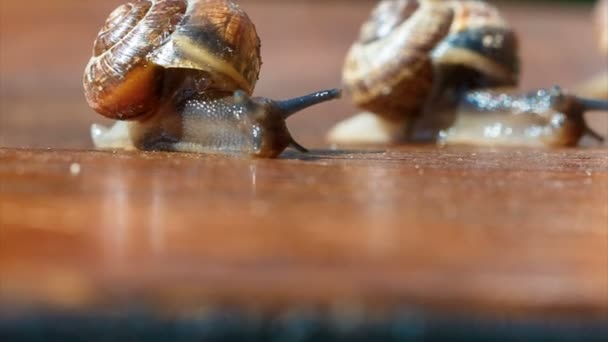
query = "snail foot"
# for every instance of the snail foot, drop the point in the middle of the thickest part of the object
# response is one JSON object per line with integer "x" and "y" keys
{"x": 367, "y": 128}
{"x": 115, "y": 137}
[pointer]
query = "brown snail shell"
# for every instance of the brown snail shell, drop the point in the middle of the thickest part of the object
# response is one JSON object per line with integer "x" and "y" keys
{"x": 408, "y": 45}
{"x": 601, "y": 25}
{"x": 124, "y": 78}
{"x": 597, "y": 85}
{"x": 480, "y": 50}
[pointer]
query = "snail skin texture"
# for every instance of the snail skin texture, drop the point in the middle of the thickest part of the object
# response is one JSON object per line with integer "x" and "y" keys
{"x": 179, "y": 74}
{"x": 546, "y": 117}
{"x": 421, "y": 62}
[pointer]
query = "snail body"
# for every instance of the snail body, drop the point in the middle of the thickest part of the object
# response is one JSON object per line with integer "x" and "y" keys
{"x": 444, "y": 53}
{"x": 546, "y": 117}
{"x": 236, "y": 125}
{"x": 181, "y": 74}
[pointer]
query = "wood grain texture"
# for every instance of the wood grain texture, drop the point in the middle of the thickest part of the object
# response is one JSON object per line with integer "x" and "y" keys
{"x": 482, "y": 231}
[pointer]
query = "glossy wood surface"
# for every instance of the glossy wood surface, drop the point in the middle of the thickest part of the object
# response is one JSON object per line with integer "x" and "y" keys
{"x": 500, "y": 231}
{"x": 476, "y": 229}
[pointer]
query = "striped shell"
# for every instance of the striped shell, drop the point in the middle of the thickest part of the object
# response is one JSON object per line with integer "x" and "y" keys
{"x": 145, "y": 39}
{"x": 406, "y": 45}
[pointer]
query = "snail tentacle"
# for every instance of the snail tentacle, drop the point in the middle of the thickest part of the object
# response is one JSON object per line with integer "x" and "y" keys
{"x": 291, "y": 106}
{"x": 592, "y": 104}
{"x": 294, "y": 144}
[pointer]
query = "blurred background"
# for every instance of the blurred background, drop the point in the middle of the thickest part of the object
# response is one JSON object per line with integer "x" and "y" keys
{"x": 44, "y": 46}
{"x": 467, "y": 213}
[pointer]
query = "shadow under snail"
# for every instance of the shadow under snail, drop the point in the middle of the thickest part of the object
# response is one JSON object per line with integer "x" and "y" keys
{"x": 435, "y": 70}
{"x": 178, "y": 74}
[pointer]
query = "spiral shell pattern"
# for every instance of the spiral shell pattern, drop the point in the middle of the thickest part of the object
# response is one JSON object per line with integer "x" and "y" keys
{"x": 143, "y": 40}
{"x": 218, "y": 39}
{"x": 392, "y": 68}
{"x": 119, "y": 81}
{"x": 388, "y": 70}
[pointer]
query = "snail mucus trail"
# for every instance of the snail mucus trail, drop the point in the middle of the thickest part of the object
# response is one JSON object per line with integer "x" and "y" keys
{"x": 437, "y": 70}
{"x": 179, "y": 74}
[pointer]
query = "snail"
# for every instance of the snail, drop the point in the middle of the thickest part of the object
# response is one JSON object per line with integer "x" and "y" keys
{"x": 178, "y": 76}
{"x": 432, "y": 69}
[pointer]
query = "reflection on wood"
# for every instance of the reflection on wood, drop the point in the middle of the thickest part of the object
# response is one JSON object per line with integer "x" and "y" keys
{"x": 484, "y": 230}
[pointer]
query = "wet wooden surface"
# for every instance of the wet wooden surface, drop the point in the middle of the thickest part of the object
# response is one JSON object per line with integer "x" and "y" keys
{"x": 500, "y": 231}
